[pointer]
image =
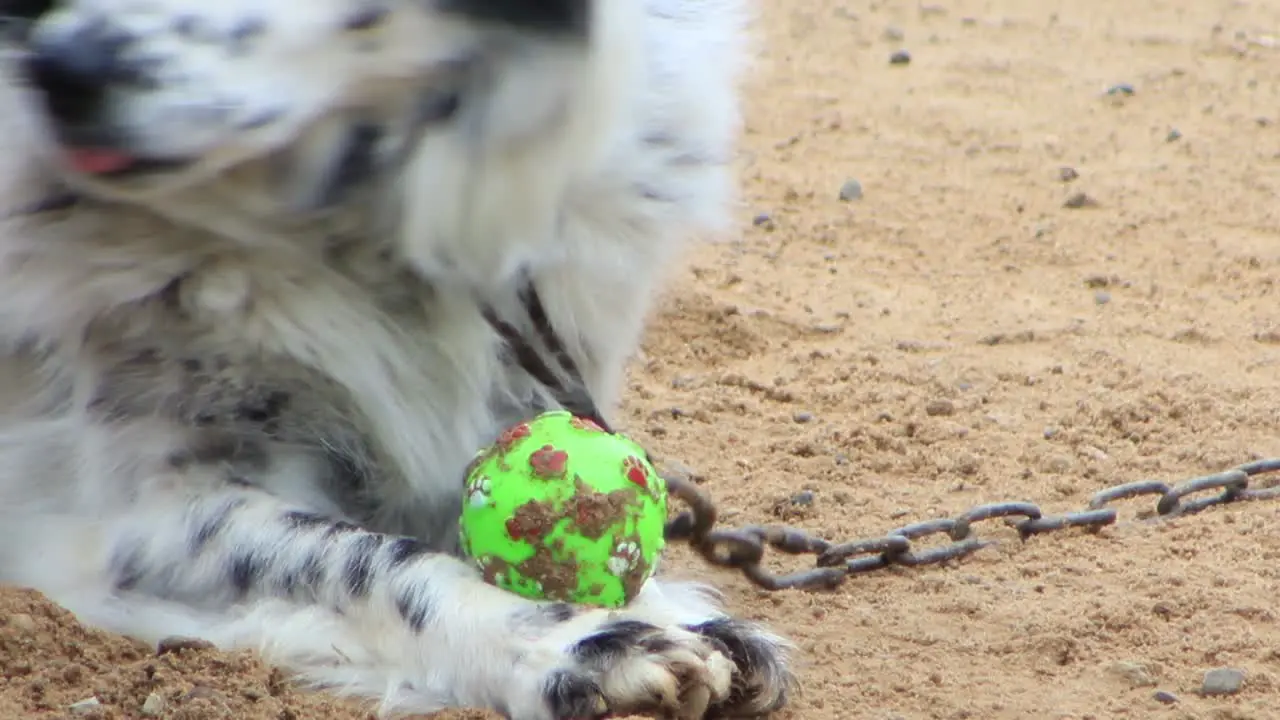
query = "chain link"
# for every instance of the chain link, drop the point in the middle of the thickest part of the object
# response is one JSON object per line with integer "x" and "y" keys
{"x": 744, "y": 548}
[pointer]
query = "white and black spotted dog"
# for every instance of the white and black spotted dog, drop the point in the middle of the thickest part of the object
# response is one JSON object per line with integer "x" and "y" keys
{"x": 251, "y": 254}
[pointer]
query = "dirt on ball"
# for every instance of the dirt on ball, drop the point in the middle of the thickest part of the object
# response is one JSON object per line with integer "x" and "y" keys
{"x": 987, "y": 250}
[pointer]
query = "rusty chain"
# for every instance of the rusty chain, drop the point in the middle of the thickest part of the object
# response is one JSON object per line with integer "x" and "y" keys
{"x": 744, "y": 548}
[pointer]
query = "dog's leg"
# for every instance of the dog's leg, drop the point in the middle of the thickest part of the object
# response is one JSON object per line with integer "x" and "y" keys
{"x": 384, "y": 617}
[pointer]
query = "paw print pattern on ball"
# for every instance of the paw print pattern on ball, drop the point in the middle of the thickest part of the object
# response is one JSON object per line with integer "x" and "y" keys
{"x": 511, "y": 437}
{"x": 626, "y": 556}
{"x": 478, "y": 491}
{"x": 548, "y": 463}
{"x": 636, "y": 472}
{"x": 574, "y": 513}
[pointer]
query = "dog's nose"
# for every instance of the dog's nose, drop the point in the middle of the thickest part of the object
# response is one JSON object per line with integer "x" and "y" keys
{"x": 73, "y": 72}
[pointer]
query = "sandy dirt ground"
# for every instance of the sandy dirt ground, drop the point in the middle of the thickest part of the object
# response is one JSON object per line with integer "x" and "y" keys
{"x": 1044, "y": 289}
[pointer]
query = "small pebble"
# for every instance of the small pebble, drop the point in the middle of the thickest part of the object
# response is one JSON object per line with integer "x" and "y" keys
{"x": 1120, "y": 89}
{"x": 175, "y": 643}
{"x": 1101, "y": 297}
{"x": 851, "y": 190}
{"x": 1094, "y": 453}
{"x": 1135, "y": 673}
{"x": 763, "y": 220}
{"x": 1080, "y": 200}
{"x": 943, "y": 407}
{"x": 88, "y": 706}
{"x": 804, "y": 498}
{"x": 1165, "y": 697}
{"x": 967, "y": 464}
{"x": 1050, "y": 433}
{"x": 1173, "y": 136}
{"x": 153, "y": 706}
{"x": 901, "y": 57}
{"x": 1056, "y": 465}
{"x": 803, "y": 417}
{"x": 1222, "y": 681}
{"x": 1067, "y": 174}
{"x": 893, "y": 34}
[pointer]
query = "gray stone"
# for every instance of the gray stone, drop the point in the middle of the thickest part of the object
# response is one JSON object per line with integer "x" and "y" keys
{"x": 1222, "y": 681}
{"x": 153, "y": 706}
{"x": 941, "y": 407}
{"x": 804, "y": 498}
{"x": 88, "y": 706}
{"x": 851, "y": 190}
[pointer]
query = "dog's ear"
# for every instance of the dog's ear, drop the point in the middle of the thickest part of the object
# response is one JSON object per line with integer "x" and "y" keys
{"x": 558, "y": 17}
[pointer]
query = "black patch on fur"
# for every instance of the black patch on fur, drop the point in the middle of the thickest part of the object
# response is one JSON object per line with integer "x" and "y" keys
{"x": 303, "y": 580}
{"x": 730, "y": 636}
{"x": 340, "y": 527}
{"x": 358, "y": 574}
{"x": 58, "y": 200}
{"x": 436, "y": 106}
{"x": 170, "y": 296}
{"x": 126, "y": 566}
{"x": 346, "y": 476}
{"x": 402, "y": 550}
{"x": 262, "y": 119}
{"x": 212, "y": 524}
{"x": 143, "y": 357}
{"x": 298, "y": 520}
{"x": 658, "y": 644}
{"x": 648, "y": 192}
{"x": 244, "y": 33}
{"x": 612, "y": 641}
{"x": 557, "y": 17}
{"x": 210, "y": 447}
{"x": 415, "y": 606}
{"x": 572, "y": 695}
{"x": 186, "y": 26}
{"x": 356, "y": 164}
{"x": 753, "y": 656}
{"x": 263, "y": 407}
{"x": 366, "y": 18}
{"x": 245, "y": 570}
{"x": 558, "y": 612}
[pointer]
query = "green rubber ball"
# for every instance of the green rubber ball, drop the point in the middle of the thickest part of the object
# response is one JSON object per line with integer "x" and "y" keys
{"x": 558, "y": 509}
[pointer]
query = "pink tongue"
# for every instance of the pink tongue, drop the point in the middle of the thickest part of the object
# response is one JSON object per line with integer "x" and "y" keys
{"x": 97, "y": 162}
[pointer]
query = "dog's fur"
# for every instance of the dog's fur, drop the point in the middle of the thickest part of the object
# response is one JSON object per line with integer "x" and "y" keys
{"x": 239, "y": 387}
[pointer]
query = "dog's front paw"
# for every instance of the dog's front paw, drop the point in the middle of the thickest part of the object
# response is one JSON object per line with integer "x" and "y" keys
{"x": 719, "y": 668}
{"x": 762, "y": 679}
{"x": 629, "y": 667}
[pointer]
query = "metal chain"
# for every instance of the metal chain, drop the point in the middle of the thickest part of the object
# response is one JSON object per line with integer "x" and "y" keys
{"x": 744, "y": 548}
